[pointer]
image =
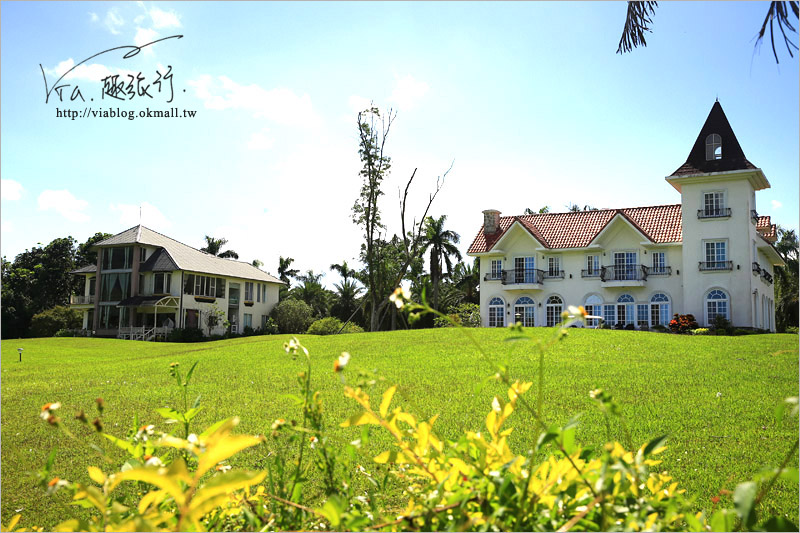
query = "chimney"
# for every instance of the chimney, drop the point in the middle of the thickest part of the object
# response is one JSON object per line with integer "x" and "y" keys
{"x": 491, "y": 221}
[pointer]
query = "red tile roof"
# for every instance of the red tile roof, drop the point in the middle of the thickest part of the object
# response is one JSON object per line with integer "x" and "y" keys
{"x": 660, "y": 223}
{"x": 766, "y": 228}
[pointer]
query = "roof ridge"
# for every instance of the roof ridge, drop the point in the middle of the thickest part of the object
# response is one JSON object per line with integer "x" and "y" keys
{"x": 609, "y": 209}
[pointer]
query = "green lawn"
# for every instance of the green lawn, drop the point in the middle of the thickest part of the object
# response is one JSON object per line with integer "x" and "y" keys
{"x": 714, "y": 396}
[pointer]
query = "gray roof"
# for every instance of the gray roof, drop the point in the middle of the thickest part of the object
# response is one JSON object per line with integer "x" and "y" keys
{"x": 88, "y": 269}
{"x": 159, "y": 261}
{"x": 187, "y": 258}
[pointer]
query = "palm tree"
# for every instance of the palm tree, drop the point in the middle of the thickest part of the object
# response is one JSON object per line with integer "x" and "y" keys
{"x": 786, "y": 280}
{"x": 213, "y": 247}
{"x": 346, "y": 300}
{"x": 344, "y": 271}
{"x": 467, "y": 279}
{"x": 441, "y": 243}
{"x": 284, "y": 272}
{"x": 311, "y": 291}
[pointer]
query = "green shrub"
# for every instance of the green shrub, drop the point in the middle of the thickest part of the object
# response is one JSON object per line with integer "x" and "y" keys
{"x": 793, "y": 330}
{"x": 293, "y": 316}
{"x": 659, "y": 327}
{"x": 700, "y": 331}
{"x": 466, "y": 314}
{"x": 270, "y": 327}
{"x": 49, "y": 322}
{"x": 186, "y": 335}
{"x": 331, "y": 326}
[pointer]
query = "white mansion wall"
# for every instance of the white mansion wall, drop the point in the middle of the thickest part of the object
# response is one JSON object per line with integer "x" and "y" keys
{"x": 739, "y": 233}
{"x": 574, "y": 289}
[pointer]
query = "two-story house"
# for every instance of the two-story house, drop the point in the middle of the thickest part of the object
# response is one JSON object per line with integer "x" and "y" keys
{"x": 711, "y": 255}
{"x": 145, "y": 283}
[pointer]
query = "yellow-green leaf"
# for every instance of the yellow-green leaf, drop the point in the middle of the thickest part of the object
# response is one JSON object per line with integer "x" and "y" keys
{"x": 152, "y": 476}
{"x": 151, "y": 498}
{"x": 97, "y": 475}
{"x": 225, "y": 483}
{"x": 387, "y": 399}
{"x": 223, "y": 449}
{"x": 391, "y": 457}
{"x": 359, "y": 419}
{"x": 14, "y": 520}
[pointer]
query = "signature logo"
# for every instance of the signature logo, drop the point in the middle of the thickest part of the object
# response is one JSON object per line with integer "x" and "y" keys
{"x": 115, "y": 86}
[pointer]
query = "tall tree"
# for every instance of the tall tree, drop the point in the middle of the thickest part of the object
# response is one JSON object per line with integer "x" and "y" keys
{"x": 214, "y": 246}
{"x": 442, "y": 245}
{"x": 373, "y": 130}
{"x": 85, "y": 255}
{"x": 786, "y": 280}
{"x": 346, "y": 299}
{"x": 284, "y": 270}
{"x": 343, "y": 270}
{"x": 467, "y": 279}
{"x": 310, "y": 290}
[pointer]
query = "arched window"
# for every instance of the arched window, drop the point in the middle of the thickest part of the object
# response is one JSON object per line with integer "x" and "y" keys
{"x": 717, "y": 304}
{"x": 525, "y": 311}
{"x": 497, "y": 313}
{"x": 554, "y": 307}
{"x": 713, "y": 147}
{"x": 659, "y": 309}
{"x": 594, "y": 307}
{"x": 625, "y": 309}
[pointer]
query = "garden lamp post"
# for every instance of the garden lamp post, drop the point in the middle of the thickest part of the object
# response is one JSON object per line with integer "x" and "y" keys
{"x": 20, "y": 354}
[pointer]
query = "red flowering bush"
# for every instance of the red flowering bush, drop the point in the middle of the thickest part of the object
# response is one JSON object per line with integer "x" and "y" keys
{"x": 683, "y": 323}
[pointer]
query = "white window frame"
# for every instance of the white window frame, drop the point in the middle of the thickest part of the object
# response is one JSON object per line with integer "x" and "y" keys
{"x": 658, "y": 267}
{"x": 593, "y": 304}
{"x": 528, "y": 274}
{"x": 553, "y": 310}
{"x": 247, "y": 320}
{"x": 713, "y": 141}
{"x": 707, "y": 300}
{"x": 496, "y": 269}
{"x": 715, "y": 208}
{"x": 657, "y": 309}
{"x": 627, "y": 270}
{"x": 526, "y": 307}
{"x": 550, "y": 272}
{"x": 496, "y": 317}
{"x": 715, "y": 258}
{"x": 248, "y": 291}
{"x": 593, "y": 266}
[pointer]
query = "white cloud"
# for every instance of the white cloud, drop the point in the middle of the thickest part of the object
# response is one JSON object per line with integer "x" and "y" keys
{"x": 87, "y": 71}
{"x": 10, "y": 189}
{"x": 260, "y": 140}
{"x": 145, "y": 36}
{"x": 408, "y": 92}
{"x": 164, "y": 19}
{"x": 150, "y": 217}
{"x": 93, "y": 17}
{"x": 776, "y": 204}
{"x": 358, "y": 103}
{"x": 64, "y": 203}
{"x": 280, "y": 105}
{"x": 113, "y": 21}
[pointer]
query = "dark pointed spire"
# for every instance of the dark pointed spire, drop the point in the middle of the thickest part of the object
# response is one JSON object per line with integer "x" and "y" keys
{"x": 732, "y": 155}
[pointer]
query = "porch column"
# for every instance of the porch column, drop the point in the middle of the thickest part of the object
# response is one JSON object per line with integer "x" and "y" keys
{"x": 134, "y": 283}
{"x": 97, "y": 291}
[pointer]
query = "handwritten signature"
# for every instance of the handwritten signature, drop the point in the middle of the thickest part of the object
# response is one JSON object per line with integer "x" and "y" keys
{"x": 112, "y": 85}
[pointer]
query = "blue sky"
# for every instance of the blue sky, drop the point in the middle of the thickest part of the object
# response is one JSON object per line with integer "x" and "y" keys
{"x": 529, "y": 100}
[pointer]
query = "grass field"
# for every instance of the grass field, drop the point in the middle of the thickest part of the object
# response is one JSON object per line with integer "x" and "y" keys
{"x": 714, "y": 396}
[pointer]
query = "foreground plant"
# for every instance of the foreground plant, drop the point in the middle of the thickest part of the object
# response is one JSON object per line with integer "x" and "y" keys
{"x": 475, "y": 482}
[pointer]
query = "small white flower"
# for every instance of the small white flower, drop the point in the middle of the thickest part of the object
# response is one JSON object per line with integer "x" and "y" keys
{"x": 719, "y": 394}
{"x": 496, "y": 404}
{"x": 152, "y": 460}
{"x": 192, "y": 438}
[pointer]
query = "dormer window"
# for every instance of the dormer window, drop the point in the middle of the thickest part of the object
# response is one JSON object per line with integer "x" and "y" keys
{"x": 713, "y": 147}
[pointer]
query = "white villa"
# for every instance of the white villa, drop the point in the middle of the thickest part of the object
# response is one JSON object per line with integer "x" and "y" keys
{"x": 145, "y": 283}
{"x": 711, "y": 255}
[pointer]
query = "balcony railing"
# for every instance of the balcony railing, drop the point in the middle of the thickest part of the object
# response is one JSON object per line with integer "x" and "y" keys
{"x": 624, "y": 273}
{"x": 715, "y": 265}
{"x": 493, "y": 276}
{"x": 756, "y": 268}
{"x": 719, "y": 212}
{"x": 766, "y": 276}
{"x": 658, "y": 271}
{"x": 591, "y": 272}
{"x": 754, "y": 216}
{"x": 80, "y": 299}
{"x": 522, "y": 275}
{"x": 553, "y": 274}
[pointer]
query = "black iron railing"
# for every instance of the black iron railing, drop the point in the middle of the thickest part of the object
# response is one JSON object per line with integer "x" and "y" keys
{"x": 715, "y": 265}
{"x": 766, "y": 276}
{"x": 756, "y": 268}
{"x": 754, "y": 216}
{"x": 658, "y": 271}
{"x": 718, "y": 212}
{"x": 522, "y": 275}
{"x": 553, "y": 274}
{"x": 591, "y": 272}
{"x": 493, "y": 276}
{"x": 624, "y": 273}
